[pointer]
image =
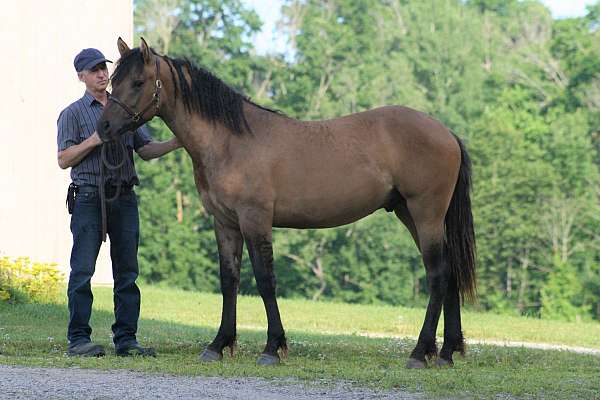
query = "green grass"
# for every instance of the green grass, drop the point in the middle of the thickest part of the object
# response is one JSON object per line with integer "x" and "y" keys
{"x": 326, "y": 344}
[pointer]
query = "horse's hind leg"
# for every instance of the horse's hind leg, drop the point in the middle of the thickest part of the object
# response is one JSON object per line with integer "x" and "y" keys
{"x": 401, "y": 211}
{"x": 257, "y": 231}
{"x": 453, "y": 337}
{"x": 230, "y": 243}
{"x": 428, "y": 216}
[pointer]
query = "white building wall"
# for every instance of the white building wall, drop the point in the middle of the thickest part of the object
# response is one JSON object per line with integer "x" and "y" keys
{"x": 38, "y": 41}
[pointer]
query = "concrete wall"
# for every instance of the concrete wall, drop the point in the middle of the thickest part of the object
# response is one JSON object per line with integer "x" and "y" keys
{"x": 38, "y": 41}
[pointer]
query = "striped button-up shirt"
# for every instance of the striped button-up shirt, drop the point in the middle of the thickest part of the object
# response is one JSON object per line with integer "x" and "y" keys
{"x": 76, "y": 123}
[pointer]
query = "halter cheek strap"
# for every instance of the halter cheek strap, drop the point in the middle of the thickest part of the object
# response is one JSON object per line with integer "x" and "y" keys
{"x": 155, "y": 101}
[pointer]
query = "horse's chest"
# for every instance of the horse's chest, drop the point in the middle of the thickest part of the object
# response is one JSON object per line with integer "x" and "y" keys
{"x": 217, "y": 203}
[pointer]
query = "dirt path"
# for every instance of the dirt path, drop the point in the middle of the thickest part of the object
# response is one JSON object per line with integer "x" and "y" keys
{"x": 19, "y": 383}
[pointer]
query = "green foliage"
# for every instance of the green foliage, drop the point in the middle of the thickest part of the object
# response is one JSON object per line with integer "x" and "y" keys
{"x": 523, "y": 90}
{"x": 24, "y": 281}
{"x": 561, "y": 295}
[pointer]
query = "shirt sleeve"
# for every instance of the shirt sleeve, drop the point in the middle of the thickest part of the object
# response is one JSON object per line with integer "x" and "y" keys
{"x": 141, "y": 137}
{"x": 68, "y": 130}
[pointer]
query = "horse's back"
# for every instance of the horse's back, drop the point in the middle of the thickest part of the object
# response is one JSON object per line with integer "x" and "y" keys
{"x": 410, "y": 147}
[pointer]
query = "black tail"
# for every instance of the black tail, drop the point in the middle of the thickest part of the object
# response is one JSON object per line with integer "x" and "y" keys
{"x": 460, "y": 235}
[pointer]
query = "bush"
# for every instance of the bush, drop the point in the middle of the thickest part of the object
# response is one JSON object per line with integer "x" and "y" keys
{"x": 23, "y": 281}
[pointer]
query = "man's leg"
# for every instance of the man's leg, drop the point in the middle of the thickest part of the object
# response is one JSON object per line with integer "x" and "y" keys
{"x": 123, "y": 228}
{"x": 85, "y": 226}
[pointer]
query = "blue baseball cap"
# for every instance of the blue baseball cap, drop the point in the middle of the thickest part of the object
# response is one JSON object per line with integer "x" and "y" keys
{"x": 88, "y": 59}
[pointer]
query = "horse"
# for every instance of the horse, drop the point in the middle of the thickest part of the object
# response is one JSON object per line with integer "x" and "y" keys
{"x": 256, "y": 168}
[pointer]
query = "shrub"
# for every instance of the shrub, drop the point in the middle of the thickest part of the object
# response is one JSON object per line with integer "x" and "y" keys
{"x": 22, "y": 281}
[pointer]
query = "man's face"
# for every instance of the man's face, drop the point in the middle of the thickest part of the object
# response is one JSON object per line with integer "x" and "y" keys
{"x": 95, "y": 79}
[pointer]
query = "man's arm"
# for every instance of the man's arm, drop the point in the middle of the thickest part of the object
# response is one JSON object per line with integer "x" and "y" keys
{"x": 73, "y": 155}
{"x": 70, "y": 150}
{"x": 158, "y": 149}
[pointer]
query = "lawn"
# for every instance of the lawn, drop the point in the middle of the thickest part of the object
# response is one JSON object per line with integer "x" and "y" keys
{"x": 327, "y": 342}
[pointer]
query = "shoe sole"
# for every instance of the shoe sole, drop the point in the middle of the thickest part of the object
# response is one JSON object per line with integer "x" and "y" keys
{"x": 90, "y": 353}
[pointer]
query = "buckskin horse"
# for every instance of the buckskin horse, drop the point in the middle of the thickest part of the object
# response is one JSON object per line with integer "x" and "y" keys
{"x": 256, "y": 169}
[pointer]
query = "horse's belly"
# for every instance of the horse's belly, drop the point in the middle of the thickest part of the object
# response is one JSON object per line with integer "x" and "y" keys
{"x": 329, "y": 209}
{"x": 315, "y": 221}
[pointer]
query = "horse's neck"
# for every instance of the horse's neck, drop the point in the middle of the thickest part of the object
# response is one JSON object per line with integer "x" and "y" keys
{"x": 203, "y": 140}
{"x": 209, "y": 143}
{"x": 265, "y": 123}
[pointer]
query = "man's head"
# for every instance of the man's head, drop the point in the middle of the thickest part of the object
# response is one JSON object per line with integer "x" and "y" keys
{"x": 90, "y": 65}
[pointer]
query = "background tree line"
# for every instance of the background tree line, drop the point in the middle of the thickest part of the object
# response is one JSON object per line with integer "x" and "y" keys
{"x": 522, "y": 90}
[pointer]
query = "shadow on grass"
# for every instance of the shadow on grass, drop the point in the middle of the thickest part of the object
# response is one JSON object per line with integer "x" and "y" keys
{"x": 36, "y": 329}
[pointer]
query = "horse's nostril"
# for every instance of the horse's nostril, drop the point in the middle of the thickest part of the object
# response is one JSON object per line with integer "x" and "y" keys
{"x": 106, "y": 125}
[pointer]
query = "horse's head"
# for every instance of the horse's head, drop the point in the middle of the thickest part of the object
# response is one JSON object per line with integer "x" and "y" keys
{"x": 136, "y": 91}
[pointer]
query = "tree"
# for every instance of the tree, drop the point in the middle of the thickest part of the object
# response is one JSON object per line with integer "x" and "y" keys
{"x": 561, "y": 295}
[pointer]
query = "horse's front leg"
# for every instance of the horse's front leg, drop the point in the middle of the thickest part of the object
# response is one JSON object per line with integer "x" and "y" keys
{"x": 257, "y": 231}
{"x": 230, "y": 243}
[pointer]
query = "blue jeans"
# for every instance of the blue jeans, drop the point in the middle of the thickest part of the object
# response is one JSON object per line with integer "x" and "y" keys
{"x": 123, "y": 230}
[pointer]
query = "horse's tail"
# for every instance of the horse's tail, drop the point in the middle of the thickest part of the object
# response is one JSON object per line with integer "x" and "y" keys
{"x": 459, "y": 245}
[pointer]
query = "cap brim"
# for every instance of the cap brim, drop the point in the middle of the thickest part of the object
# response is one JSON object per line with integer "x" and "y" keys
{"x": 95, "y": 62}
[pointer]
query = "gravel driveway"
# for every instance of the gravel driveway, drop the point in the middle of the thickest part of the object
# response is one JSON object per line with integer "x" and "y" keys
{"x": 18, "y": 383}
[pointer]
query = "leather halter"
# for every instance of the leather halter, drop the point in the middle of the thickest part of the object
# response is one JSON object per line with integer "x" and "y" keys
{"x": 155, "y": 101}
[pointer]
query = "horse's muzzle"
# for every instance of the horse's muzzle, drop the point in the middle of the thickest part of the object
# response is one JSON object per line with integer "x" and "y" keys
{"x": 106, "y": 131}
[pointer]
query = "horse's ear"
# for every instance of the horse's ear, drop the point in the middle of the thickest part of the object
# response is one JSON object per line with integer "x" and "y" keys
{"x": 122, "y": 46}
{"x": 145, "y": 50}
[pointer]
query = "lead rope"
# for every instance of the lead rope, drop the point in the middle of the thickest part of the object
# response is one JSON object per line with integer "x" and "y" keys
{"x": 108, "y": 165}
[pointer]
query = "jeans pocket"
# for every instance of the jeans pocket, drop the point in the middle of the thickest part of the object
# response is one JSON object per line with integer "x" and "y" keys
{"x": 86, "y": 213}
{"x": 87, "y": 197}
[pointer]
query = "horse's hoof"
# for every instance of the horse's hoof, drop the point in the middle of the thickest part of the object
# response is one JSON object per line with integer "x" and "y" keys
{"x": 413, "y": 363}
{"x": 442, "y": 363}
{"x": 209, "y": 355}
{"x": 267, "y": 359}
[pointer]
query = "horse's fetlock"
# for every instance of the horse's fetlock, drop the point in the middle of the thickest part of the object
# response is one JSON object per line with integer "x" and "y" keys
{"x": 431, "y": 352}
{"x": 232, "y": 345}
{"x": 430, "y": 349}
{"x": 222, "y": 341}
{"x": 455, "y": 342}
{"x": 276, "y": 342}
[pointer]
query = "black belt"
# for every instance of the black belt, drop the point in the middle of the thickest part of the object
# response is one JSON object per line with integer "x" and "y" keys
{"x": 125, "y": 189}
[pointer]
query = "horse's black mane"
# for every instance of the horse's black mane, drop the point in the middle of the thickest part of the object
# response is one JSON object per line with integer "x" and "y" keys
{"x": 205, "y": 94}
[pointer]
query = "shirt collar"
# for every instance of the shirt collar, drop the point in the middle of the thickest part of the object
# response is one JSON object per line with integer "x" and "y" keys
{"x": 89, "y": 99}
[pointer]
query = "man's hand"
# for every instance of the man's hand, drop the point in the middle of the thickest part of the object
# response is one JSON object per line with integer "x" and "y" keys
{"x": 158, "y": 149}
{"x": 176, "y": 143}
{"x": 73, "y": 155}
{"x": 96, "y": 138}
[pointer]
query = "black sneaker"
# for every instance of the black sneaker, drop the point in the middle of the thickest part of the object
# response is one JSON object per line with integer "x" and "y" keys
{"x": 134, "y": 349}
{"x": 87, "y": 349}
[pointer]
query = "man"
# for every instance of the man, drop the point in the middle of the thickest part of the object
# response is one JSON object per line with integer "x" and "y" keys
{"x": 79, "y": 149}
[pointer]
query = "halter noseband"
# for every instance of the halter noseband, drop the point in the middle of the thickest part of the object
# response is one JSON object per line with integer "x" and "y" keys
{"x": 155, "y": 101}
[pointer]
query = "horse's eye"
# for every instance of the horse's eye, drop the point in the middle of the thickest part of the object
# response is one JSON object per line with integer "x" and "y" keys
{"x": 138, "y": 84}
